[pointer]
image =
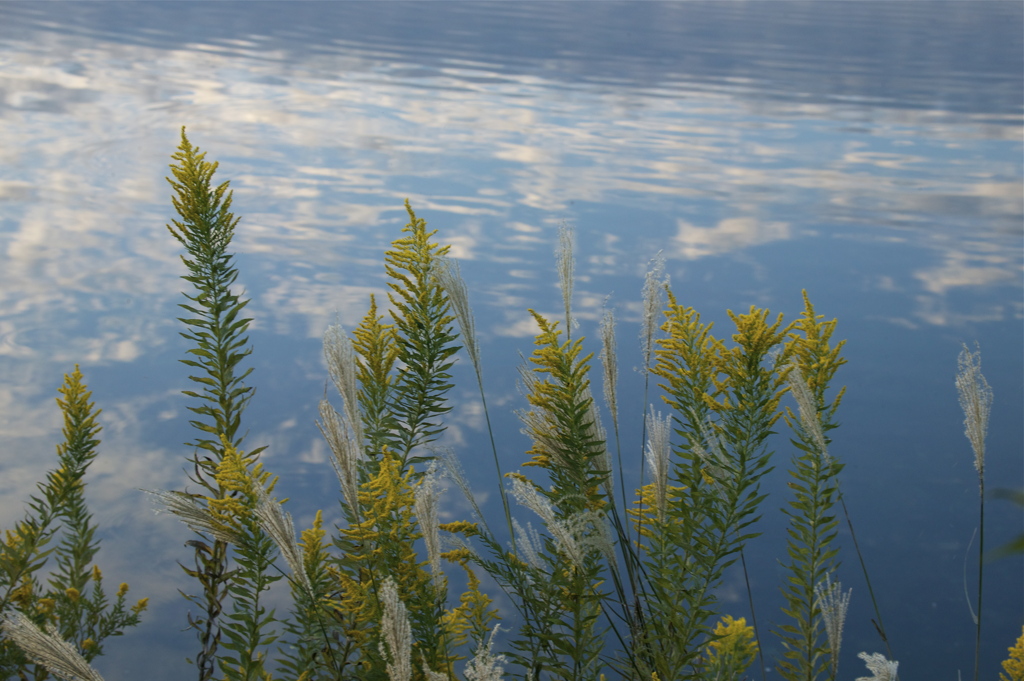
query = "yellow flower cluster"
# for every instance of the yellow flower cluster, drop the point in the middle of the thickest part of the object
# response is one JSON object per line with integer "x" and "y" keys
{"x": 1014, "y": 665}
{"x": 732, "y": 648}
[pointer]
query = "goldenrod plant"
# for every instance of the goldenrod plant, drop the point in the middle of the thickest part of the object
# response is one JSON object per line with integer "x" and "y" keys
{"x": 813, "y": 605}
{"x": 216, "y": 330}
{"x": 70, "y": 603}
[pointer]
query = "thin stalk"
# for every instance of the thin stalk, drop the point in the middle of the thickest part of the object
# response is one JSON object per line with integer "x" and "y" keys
{"x": 879, "y": 626}
{"x": 753, "y": 616}
{"x": 981, "y": 574}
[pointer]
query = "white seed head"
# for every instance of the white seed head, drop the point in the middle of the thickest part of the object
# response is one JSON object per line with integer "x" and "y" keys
{"x": 566, "y": 265}
{"x": 976, "y": 401}
{"x": 529, "y": 544}
{"x": 657, "y": 455}
{"x": 396, "y": 633}
{"x": 655, "y": 283}
{"x": 346, "y": 451}
{"x": 881, "y": 669}
{"x": 47, "y": 648}
{"x": 485, "y": 665}
{"x": 195, "y": 515}
{"x": 833, "y": 604}
{"x": 278, "y": 525}
{"x": 609, "y": 360}
{"x": 808, "y": 409}
{"x": 343, "y": 367}
{"x": 450, "y": 280}
{"x": 425, "y": 501}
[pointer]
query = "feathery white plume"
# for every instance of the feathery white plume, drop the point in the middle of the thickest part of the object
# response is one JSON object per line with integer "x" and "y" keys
{"x": 529, "y": 543}
{"x": 833, "y": 604}
{"x": 343, "y": 367}
{"x": 881, "y": 669}
{"x": 425, "y": 500}
{"x": 808, "y": 409}
{"x": 278, "y": 524}
{"x": 485, "y": 665}
{"x": 450, "y": 279}
{"x": 396, "y": 633}
{"x": 655, "y": 283}
{"x": 566, "y": 265}
{"x": 657, "y": 455}
{"x": 47, "y": 648}
{"x": 976, "y": 401}
{"x": 346, "y": 450}
{"x": 609, "y": 360}
{"x": 196, "y": 516}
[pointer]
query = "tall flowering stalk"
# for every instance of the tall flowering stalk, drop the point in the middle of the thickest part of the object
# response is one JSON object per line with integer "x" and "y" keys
{"x": 216, "y": 330}
{"x": 976, "y": 402}
{"x": 808, "y": 639}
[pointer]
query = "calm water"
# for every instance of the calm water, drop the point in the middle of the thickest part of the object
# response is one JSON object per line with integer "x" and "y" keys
{"x": 870, "y": 153}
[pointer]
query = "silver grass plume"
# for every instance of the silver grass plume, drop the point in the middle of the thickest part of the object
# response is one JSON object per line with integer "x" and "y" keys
{"x": 570, "y": 534}
{"x": 425, "y": 501}
{"x": 454, "y": 471}
{"x": 278, "y": 525}
{"x": 659, "y": 430}
{"x": 881, "y": 669}
{"x": 609, "y": 360}
{"x": 655, "y": 283}
{"x": 527, "y": 495}
{"x": 196, "y": 516}
{"x": 529, "y": 544}
{"x": 597, "y": 433}
{"x": 485, "y": 665}
{"x": 833, "y": 604}
{"x": 976, "y": 401}
{"x": 430, "y": 675}
{"x": 346, "y": 450}
{"x": 566, "y": 265}
{"x": 396, "y": 632}
{"x": 342, "y": 365}
{"x": 808, "y": 410}
{"x": 716, "y": 460}
{"x": 47, "y": 648}
{"x": 450, "y": 279}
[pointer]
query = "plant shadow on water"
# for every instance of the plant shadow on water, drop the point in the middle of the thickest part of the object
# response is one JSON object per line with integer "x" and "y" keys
{"x": 608, "y": 584}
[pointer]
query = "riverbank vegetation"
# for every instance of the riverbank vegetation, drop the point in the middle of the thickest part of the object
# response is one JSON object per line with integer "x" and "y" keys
{"x": 605, "y": 582}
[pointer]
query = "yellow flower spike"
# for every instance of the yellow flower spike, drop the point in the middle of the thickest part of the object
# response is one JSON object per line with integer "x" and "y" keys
{"x": 463, "y": 527}
{"x": 88, "y": 644}
{"x": 122, "y": 590}
{"x": 140, "y": 606}
{"x": 73, "y": 594}
{"x": 23, "y": 594}
{"x": 311, "y": 541}
{"x": 97, "y": 576}
{"x": 45, "y": 605}
{"x": 460, "y": 556}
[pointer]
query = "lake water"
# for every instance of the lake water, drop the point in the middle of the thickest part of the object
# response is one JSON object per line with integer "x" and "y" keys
{"x": 870, "y": 153}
